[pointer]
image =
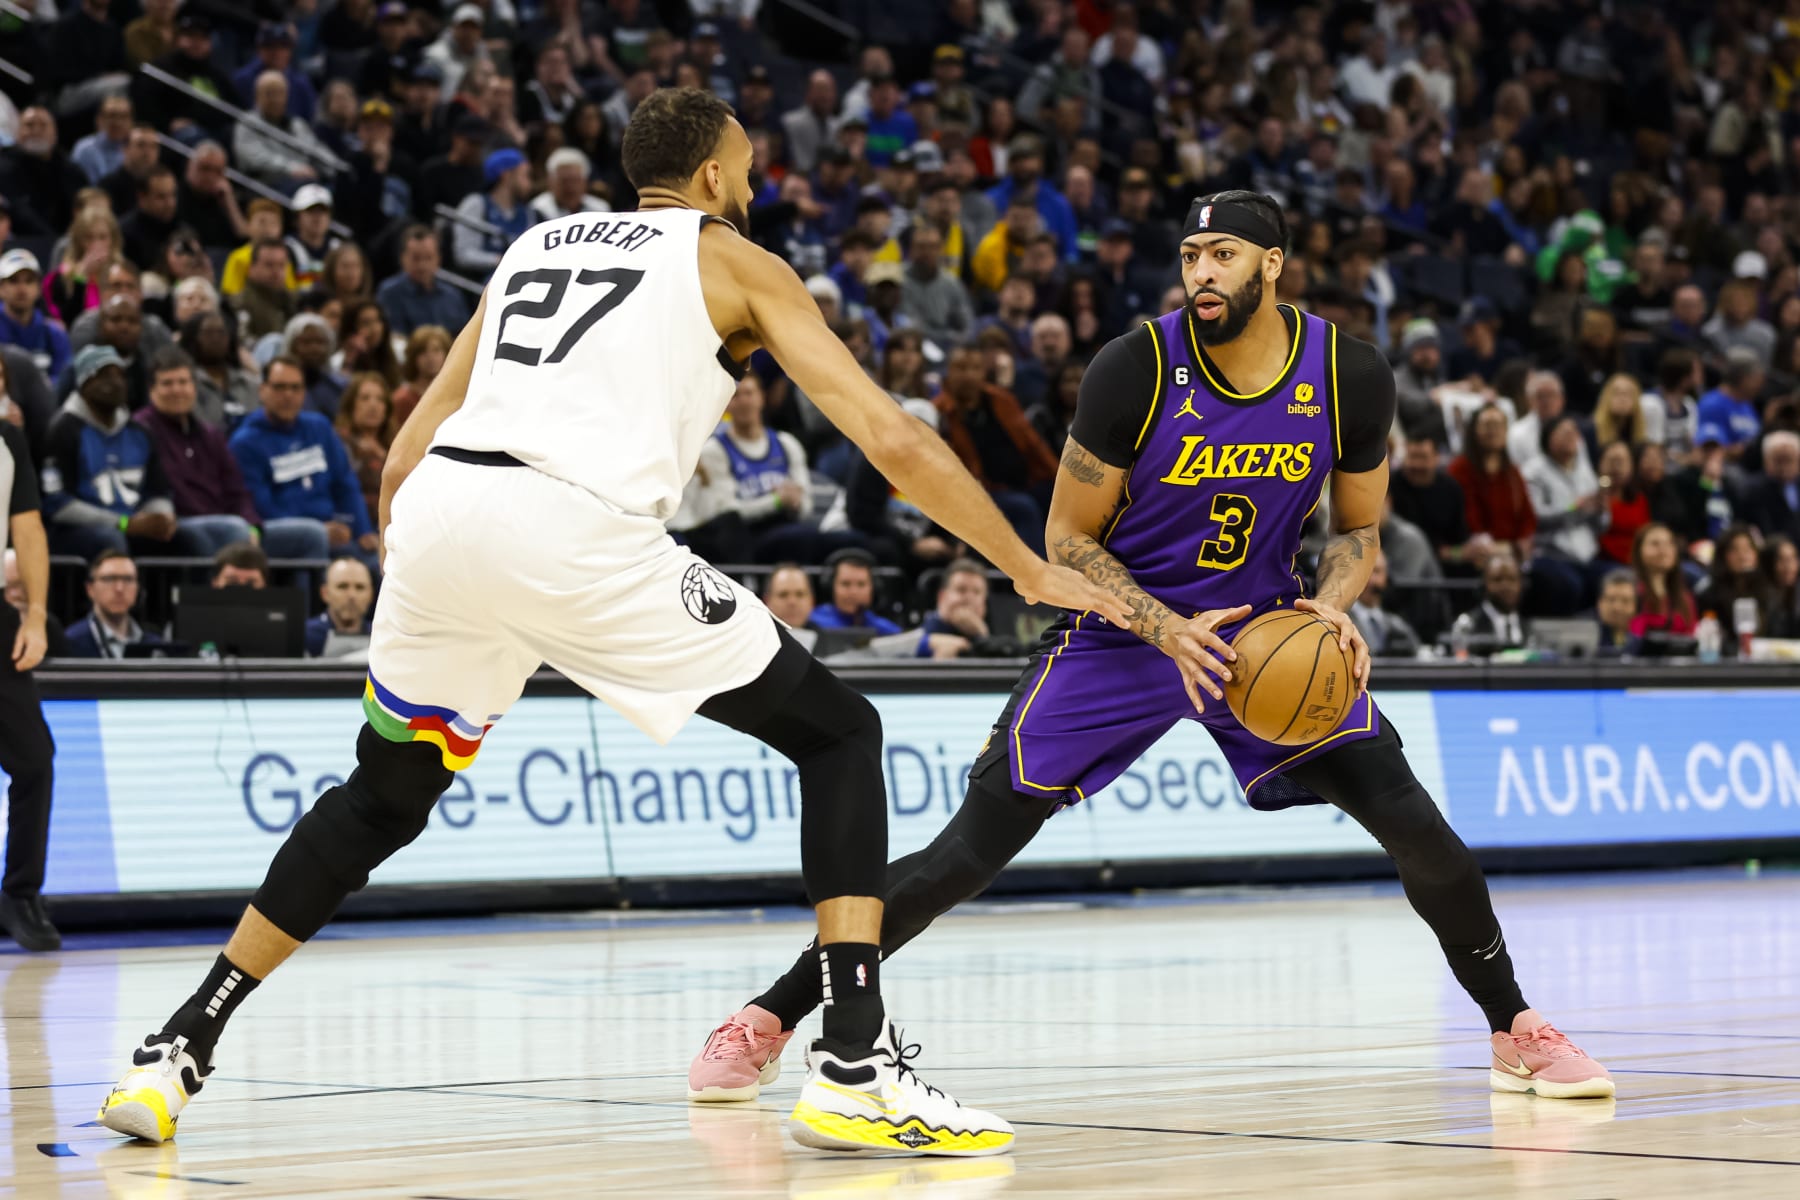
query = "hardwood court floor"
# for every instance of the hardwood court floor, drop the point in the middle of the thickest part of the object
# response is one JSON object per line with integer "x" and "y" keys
{"x": 1255, "y": 1043}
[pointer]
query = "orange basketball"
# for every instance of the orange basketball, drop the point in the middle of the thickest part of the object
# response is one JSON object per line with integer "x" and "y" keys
{"x": 1291, "y": 685}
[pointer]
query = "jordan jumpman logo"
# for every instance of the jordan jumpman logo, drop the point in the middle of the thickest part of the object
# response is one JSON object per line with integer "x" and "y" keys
{"x": 1187, "y": 407}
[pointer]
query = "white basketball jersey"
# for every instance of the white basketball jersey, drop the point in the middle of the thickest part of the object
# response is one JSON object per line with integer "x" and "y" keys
{"x": 597, "y": 362}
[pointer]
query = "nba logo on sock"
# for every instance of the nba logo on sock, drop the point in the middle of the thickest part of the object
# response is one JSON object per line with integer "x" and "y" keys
{"x": 862, "y": 975}
{"x": 1205, "y": 215}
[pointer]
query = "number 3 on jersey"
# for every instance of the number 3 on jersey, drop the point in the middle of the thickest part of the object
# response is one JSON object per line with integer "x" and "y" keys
{"x": 1236, "y": 516}
{"x": 556, "y": 283}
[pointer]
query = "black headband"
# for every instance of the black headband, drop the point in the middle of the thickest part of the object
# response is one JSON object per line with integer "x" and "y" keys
{"x": 1238, "y": 220}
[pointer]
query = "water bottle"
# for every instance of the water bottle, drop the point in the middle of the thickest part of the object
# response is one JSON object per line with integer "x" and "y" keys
{"x": 1709, "y": 637}
{"x": 1743, "y": 619}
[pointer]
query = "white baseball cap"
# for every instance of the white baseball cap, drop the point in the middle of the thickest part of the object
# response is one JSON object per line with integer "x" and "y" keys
{"x": 313, "y": 195}
{"x": 14, "y": 261}
{"x": 468, "y": 12}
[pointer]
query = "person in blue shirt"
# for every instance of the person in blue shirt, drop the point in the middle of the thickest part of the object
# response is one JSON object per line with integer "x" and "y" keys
{"x": 348, "y": 592}
{"x": 1727, "y": 414}
{"x": 296, "y": 467}
{"x": 1025, "y": 171}
{"x": 416, "y": 297}
{"x": 22, "y": 322}
{"x": 852, "y": 588}
{"x": 891, "y": 128}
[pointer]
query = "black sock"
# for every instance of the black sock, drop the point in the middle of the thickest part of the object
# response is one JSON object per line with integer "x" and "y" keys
{"x": 796, "y": 993}
{"x": 202, "y": 1018}
{"x": 850, "y": 973}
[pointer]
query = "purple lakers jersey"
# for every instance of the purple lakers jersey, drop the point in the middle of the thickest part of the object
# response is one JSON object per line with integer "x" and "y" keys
{"x": 1222, "y": 483}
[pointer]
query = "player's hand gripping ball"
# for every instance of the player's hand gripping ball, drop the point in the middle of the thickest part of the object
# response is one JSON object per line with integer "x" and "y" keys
{"x": 1291, "y": 684}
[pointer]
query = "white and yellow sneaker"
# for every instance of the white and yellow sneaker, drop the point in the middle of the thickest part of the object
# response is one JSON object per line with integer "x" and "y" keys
{"x": 878, "y": 1102}
{"x": 148, "y": 1101}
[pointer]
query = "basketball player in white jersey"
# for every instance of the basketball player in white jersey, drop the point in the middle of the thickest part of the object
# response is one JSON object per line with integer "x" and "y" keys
{"x": 522, "y": 512}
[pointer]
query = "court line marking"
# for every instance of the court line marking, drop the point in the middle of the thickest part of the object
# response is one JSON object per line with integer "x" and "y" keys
{"x": 1348, "y": 1141}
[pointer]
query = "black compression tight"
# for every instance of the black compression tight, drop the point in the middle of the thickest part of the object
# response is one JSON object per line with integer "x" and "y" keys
{"x": 833, "y": 735}
{"x": 1370, "y": 780}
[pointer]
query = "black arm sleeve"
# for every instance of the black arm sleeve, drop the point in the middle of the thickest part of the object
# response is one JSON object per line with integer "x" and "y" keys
{"x": 1117, "y": 392}
{"x": 24, "y": 474}
{"x": 1365, "y": 405}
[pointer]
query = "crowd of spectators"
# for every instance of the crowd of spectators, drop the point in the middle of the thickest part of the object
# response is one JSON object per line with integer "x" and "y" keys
{"x": 1571, "y": 225}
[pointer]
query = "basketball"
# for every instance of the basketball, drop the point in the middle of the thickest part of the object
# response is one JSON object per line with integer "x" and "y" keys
{"x": 1291, "y": 684}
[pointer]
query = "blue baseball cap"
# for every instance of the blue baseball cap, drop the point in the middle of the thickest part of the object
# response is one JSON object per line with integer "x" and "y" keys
{"x": 500, "y": 162}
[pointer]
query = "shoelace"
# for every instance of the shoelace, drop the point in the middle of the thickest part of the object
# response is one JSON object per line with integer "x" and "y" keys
{"x": 727, "y": 1039}
{"x": 1551, "y": 1042}
{"x": 901, "y": 1060}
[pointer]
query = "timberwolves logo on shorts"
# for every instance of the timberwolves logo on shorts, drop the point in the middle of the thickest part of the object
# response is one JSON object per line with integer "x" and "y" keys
{"x": 708, "y": 595}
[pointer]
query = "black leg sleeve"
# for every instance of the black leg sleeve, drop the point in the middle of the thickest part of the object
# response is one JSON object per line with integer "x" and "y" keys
{"x": 351, "y": 830}
{"x": 833, "y": 735}
{"x": 1371, "y": 781}
{"x": 987, "y": 832}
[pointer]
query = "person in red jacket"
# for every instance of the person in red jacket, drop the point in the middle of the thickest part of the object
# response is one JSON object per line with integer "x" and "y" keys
{"x": 987, "y": 428}
{"x": 1494, "y": 494}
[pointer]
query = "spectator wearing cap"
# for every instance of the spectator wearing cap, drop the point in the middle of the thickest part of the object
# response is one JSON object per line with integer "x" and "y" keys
{"x": 1025, "y": 176}
{"x": 177, "y": 113}
{"x": 494, "y": 219}
{"x": 1735, "y": 325}
{"x": 850, "y": 271}
{"x": 151, "y": 35}
{"x": 1416, "y": 380}
{"x": 459, "y": 47}
{"x": 22, "y": 322}
{"x": 1127, "y": 287}
{"x": 260, "y": 154}
{"x": 206, "y": 202}
{"x": 390, "y": 61}
{"x": 1728, "y": 415}
{"x": 377, "y": 191}
{"x": 103, "y": 484}
{"x": 921, "y": 103}
{"x": 756, "y": 99}
{"x": 883, "y": 311}
{"x": 956, "y": 101}
{"x": 419, "y": 130}
{"x": 205, "y": 484}
{"x": 312, "y": 239}
{"x": 275, "y": 52}
{"x": 456, "y": 175}
{"x": 415, "y": 297}
{"x": 296, "y": 467}
{"x": 931, "y": 297}
{"x": 568, "y": 174}
{"x": 988, "y": 429}
{"x": 102, "y": 152}
{"x": 807, "y": 129}
{"x": 121, "y": 326}
{"x": 1483, "y": 351}
{"x": 706, "y": 52}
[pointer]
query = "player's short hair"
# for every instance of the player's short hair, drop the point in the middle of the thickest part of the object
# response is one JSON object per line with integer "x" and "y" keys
{"x": 1263, "y": 206}
{"x": 671, "y": 133}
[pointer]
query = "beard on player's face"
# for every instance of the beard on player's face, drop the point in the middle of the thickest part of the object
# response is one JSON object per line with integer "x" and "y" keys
{"x": 1239, "y": 307}
{"x": 738, "y": 213}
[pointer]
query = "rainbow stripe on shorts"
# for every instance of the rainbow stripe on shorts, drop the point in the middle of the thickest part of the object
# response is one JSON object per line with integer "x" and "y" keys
{"x": 398, "y": 721}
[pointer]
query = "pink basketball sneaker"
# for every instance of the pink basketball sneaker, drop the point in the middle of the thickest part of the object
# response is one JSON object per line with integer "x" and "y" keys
{"x": 1535, "y": 1057}
{"x": 740, "y": 1057}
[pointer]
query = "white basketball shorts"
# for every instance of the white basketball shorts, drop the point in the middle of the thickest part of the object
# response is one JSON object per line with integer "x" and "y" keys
{"x": 494, "y": 570}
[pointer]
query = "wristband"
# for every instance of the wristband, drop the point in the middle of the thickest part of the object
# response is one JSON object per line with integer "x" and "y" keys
{"x": 123, "y": 522}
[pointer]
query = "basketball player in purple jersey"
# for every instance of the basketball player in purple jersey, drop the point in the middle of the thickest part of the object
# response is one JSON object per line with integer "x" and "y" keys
{"x": 1201, "y": 443}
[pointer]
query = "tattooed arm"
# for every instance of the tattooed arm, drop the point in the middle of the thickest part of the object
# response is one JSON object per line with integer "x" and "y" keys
{"x": 1349, "y": 558}
{"x": 1088, "y": 495}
